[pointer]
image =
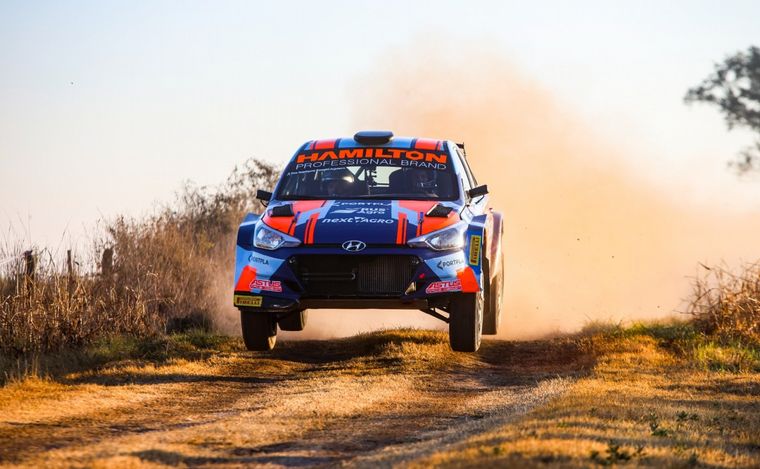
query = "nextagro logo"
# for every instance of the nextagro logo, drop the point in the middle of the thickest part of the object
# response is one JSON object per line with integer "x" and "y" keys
{"x": 386, "y": 221}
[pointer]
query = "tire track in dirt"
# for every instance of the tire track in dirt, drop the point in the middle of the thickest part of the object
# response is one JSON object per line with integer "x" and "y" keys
{"x": 382, "y": 404}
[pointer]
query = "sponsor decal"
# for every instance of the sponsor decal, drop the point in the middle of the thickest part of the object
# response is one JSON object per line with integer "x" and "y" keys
{"x": 264, "y": 266}
{"x": 363, "y": 210}
{"x": 254, "y": 259}
{"x": 373, "y": 153}
{"x": 268, "y": 285}
{"x": 445, "y": 267}
{"x": 444, "y": 286}
{"x": 245, "y": 300}
{"x": 475, "y": 249}
{"x": 301, "y": 167}
{"x": 449, "y": 263}
{"x": 357, "y": 220}
{"x": 360, "y": 203}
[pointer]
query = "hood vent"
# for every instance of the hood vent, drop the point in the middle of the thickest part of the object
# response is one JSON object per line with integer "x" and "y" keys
{"x": 439, "y": 211}
{"x": 282, "y": 211}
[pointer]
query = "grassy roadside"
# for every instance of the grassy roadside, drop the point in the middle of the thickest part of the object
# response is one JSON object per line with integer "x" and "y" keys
{"x": 660, "y": 395}
{"x": 158, "y": 349}
{"x": 657, "y": 394}
{"x": 386, "y": 351}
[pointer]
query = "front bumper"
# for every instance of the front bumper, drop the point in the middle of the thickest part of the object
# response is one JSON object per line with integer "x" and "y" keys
{"x": 328, "y": 277}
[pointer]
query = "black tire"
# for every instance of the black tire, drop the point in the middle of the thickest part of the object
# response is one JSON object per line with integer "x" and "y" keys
{"x": 259, "y": 330}
{"x": 466, "y": 321}
{"x": 493, "y": 297}
{"x": 295, "y": 321}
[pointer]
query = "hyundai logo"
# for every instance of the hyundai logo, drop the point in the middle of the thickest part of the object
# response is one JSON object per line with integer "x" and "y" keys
{"x": 354, "y": 245}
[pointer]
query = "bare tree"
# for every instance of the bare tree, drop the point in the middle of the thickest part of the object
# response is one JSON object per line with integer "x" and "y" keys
{"x": 734, "y": 87}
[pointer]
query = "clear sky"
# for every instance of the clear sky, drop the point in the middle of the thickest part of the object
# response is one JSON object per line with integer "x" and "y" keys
{"x": 106, "y": 107}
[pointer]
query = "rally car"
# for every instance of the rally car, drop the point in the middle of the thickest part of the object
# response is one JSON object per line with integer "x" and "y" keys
{"x": 373, "y": 221}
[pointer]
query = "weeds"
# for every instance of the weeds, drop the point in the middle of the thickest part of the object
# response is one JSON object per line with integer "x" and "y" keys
{"x": 190, "y": 345}
{"x": 169, "y": 272}
{"x": 727, "y": 305}
{"x": 655, "y": 428}
{"x": 615, "y": 454}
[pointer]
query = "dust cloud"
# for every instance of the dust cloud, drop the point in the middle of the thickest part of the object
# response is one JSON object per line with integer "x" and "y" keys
{"x": 585, "y": 237}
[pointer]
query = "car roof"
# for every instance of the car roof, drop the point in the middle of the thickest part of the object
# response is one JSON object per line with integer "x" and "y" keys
{"x": 414, "y": 143}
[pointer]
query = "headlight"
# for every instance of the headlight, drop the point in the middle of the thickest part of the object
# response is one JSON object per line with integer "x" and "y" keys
{"x": 442, "y": 240}
{"x": 270, "y": 239}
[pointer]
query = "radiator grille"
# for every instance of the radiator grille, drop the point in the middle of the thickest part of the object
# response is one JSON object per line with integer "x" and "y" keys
{"x": 326, "y": 276}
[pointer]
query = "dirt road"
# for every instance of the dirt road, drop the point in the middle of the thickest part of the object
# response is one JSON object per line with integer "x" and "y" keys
{"x": 374, "y": 400}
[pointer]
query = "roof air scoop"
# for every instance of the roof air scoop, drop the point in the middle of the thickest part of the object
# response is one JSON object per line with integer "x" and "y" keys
{"x": 373, "y": 137}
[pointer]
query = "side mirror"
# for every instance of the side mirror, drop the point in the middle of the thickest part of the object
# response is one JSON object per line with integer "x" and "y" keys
{"x": 479, "y": 191}
{"x": 264, "y": 196}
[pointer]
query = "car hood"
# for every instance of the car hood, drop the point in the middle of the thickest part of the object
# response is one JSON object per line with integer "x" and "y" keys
{"x": 375, "y": 222}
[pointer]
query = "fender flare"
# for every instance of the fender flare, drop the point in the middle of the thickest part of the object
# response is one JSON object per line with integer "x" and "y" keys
{"x": 495, "y": 248}
{"x": 246, "y": 231}
{"x": 472, "y": 274}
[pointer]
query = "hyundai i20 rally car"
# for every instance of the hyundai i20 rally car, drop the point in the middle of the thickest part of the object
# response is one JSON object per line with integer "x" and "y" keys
{"x": 372, "y": 221}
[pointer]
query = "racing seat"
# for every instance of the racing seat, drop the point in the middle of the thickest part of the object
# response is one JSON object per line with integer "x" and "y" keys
{"x": 397, "y": 183}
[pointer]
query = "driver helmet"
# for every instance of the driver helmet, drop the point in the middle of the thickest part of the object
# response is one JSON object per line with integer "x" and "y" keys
{"x": 337, "y": 181}
{"x": 423, "y": 179}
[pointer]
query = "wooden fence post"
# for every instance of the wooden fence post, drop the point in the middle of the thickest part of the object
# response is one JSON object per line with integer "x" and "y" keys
{"x": 70, "y": 270}
{"x": 29, "y": 271}
{"x": 107, "y": 263}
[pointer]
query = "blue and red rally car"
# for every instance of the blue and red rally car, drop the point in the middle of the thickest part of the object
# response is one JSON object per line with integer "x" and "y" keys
{"x": 373, "y": 221}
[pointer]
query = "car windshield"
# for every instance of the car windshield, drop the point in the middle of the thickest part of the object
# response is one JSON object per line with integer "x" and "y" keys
{"x": 360, "y": 179}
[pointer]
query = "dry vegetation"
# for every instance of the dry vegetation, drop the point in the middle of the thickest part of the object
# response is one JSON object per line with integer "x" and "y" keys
{"x": 726, "y": 304}
{"x": 652, "y": 401}
{"x": 170, "y": 271}
{"x": 610, "y": 395}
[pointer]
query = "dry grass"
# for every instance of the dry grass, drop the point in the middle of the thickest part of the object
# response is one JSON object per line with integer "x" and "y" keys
{"x": 611, "y": 395}
{"x": 727, "y": 304}
{"x": 650, "y": 401}
{"x": 170, "y": 271}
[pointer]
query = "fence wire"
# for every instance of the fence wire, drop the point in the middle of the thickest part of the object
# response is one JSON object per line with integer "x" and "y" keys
{"x": 8, "y": 260}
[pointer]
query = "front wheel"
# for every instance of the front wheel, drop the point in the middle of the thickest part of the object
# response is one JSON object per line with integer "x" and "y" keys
{"x": 294, "y": 321}
{"x": 259, "y": 330}
{"x": 466, "y": 321}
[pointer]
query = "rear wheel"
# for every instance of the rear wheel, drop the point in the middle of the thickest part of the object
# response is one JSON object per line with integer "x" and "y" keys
{"x": 295, "y": 321}
{"x": 493, "y": 296}
{"x": 466, "y": 321}
{"x": 259, "y": 330}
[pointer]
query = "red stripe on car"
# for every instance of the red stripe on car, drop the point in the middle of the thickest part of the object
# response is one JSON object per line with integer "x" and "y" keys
{"x": 401, "y": 231}
{"x": 426, "y": 144}
{"x": 247, "y": 276}
{"x": 325, "y": 144}
{"x": 311, "y": 226}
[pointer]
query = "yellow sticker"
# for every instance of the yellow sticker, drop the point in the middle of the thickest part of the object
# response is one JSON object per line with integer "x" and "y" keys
{"x": 474, "y": 249}
{"x": 245, "y": 300}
